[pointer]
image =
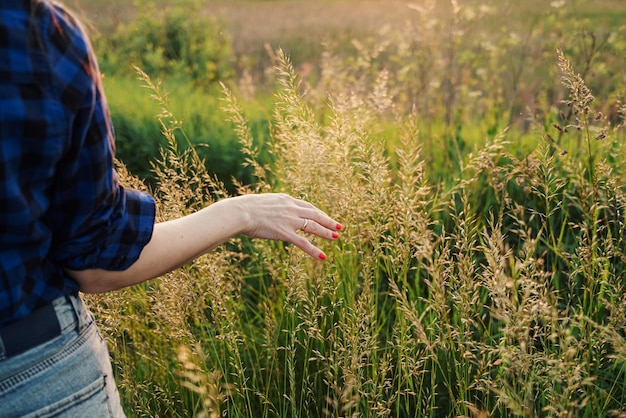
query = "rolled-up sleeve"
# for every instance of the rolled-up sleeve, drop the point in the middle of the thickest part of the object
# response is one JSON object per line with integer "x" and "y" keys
{"x": 112, "y": 237}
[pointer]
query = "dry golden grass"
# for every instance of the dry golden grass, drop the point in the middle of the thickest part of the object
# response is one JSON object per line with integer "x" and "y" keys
{"x": 497, "y": 313}
{"x": 475, "y": 284}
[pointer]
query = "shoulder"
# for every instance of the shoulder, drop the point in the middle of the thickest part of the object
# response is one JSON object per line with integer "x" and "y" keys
{"x": 62, "y": 29}
{"x": 68, "y": 51}
{"x": 41, "y": 36}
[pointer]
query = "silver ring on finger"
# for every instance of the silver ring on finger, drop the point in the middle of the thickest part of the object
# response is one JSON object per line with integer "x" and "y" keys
{"x": 304, "y": 225}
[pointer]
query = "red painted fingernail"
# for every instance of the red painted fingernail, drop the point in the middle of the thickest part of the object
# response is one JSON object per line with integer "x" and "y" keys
{"x": 335, "y": 235}
{"x": 338, "y": 227}
{"x": 322, "y": 256}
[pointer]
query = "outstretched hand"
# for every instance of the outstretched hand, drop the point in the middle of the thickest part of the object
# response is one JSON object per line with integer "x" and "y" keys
{"x": 280, "y": 217}
{"x": 178, "y": 241}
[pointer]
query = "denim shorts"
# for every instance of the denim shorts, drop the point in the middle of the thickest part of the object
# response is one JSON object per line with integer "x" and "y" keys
{"x": 67, "y": 376}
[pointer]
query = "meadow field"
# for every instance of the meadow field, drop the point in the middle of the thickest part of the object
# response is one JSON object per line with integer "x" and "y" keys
{"x": 473, "y": 151}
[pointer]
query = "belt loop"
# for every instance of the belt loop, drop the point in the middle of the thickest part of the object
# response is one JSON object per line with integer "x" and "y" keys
{"x": 78, "y": 310}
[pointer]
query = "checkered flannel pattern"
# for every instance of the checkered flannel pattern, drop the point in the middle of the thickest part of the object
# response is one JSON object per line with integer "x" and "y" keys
{"x": 60, "y": 202}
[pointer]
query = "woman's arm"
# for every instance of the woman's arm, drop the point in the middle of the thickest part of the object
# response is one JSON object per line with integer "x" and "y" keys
{"x": 175, "y": 243}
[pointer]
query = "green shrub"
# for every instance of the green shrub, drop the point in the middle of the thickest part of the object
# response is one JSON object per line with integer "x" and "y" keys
{"x": 179, "y": 41}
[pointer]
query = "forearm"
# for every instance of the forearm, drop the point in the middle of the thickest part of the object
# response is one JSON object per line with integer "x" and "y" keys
{"x": 173, "y": 244}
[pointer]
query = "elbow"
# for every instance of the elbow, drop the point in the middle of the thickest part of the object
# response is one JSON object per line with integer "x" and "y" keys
{"x": 92, "y": 281}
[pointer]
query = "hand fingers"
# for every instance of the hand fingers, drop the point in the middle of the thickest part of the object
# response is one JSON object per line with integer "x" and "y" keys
{"x": 306, "y": 246}
{"x": 322, "y": 219}
{"x": 315, "y": 222}
{"x": 311, "y": 226}
{"x": 280, "y": 216}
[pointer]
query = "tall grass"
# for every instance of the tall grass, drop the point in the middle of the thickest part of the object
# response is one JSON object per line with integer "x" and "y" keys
{"x": 489, "y": 282}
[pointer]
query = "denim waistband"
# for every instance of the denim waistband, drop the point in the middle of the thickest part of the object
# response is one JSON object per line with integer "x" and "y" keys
{"x": 62, "y": 315}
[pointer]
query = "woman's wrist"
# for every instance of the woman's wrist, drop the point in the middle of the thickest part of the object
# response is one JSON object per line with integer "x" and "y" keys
{"x": 234, "y": 214}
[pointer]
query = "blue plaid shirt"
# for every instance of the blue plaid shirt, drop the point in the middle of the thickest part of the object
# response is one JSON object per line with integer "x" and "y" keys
{"x": 60, "y": 202}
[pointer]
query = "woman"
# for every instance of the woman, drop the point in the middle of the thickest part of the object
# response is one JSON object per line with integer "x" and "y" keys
{"x": 67, "y": 225}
